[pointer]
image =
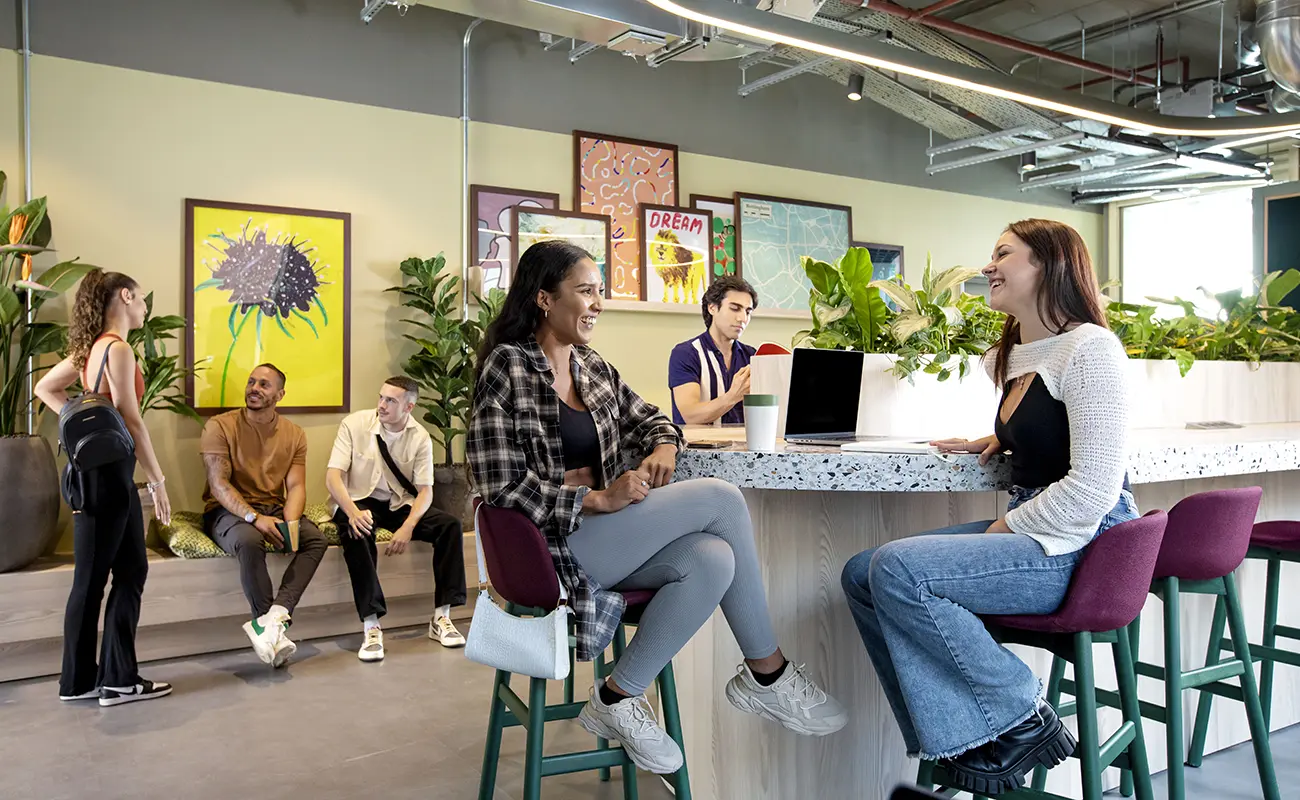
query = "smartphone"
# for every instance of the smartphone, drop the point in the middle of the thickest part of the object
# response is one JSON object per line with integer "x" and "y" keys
{"x": 708, "y": 445}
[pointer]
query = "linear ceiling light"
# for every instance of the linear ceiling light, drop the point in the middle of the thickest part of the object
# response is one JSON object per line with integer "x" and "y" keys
{"x": 777, "y": 29}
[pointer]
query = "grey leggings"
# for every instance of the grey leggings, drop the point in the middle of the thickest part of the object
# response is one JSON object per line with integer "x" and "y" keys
{"x": 692, "y": 542}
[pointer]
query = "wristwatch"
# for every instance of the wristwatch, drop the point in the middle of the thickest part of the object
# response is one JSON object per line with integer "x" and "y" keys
{"x": 250, "y": 517}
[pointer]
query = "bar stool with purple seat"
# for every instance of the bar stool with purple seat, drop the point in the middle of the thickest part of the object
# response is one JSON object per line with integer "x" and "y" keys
{"x": 523, "y": 574}
{"x": 1107, "y": 592}
{"x": 1273, "y": 542}
{"x": 1205, "y": 541}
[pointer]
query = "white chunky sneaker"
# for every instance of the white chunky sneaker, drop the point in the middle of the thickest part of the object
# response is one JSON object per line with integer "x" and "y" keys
{"x": 794, "y": 700}
{"x": 442, "y": 631}
{"x": 372, "y": 647}
{"x": 631, "y": 723}
{"x": 144, "y": 690}
{"x": 263, "y": 637}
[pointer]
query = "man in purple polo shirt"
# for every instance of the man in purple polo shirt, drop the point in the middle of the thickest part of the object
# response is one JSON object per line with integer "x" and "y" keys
{"x": 709, "y": 375}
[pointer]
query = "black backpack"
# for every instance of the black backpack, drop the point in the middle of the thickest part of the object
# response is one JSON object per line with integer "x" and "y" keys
{"x": 93, "y": 433}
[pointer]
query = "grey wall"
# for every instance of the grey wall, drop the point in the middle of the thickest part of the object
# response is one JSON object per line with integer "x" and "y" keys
{"x": 320, "y": 48}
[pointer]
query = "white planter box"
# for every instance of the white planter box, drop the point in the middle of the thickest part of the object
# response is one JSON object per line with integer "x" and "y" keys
{"x": 1232, "y": 391}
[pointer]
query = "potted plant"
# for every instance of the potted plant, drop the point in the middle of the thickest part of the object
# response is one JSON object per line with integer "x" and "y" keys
{"x": 443, "y": 366}
{"x": 163, "y": 374}
{"x": 29, "y": 486}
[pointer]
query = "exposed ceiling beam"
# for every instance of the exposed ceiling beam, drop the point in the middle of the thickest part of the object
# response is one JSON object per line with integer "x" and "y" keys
{"x": 976, "y": 141}
{"x": 1126, "y": 165}
{"x": 994, "y": 155}
{"x": 786, "y": 74}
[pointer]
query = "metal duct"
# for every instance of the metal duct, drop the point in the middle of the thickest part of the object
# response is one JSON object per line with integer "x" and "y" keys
{"x": 1277, "y": 27}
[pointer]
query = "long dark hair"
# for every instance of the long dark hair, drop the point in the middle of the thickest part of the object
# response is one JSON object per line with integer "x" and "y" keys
{"x": 1068, "y": 294}
{"x": 89, "y": 308}
{"x": 542, "y": 267}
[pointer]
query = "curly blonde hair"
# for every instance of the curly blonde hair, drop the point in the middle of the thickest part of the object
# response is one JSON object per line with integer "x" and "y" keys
{"x": 93, "y": 296}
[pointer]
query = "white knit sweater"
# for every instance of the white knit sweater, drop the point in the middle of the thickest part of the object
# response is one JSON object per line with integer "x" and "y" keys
{"x": 1086, "y": 370}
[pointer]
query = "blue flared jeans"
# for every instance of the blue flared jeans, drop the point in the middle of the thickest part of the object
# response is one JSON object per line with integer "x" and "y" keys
{"x": 917, "y": 602}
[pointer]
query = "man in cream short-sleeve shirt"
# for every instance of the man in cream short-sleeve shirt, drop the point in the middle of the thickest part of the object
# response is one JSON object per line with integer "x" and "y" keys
{"x": 368, "y": 495}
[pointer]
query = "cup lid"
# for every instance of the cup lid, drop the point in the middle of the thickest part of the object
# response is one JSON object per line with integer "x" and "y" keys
{"x": 760, "y": 400}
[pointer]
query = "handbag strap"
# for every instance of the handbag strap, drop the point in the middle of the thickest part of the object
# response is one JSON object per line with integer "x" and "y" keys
{"x": 482, "y": 562}
{"x": 392, "y": 467}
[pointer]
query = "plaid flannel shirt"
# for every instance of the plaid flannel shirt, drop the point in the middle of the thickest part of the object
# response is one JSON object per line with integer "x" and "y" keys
{"x": 514, "y": 451}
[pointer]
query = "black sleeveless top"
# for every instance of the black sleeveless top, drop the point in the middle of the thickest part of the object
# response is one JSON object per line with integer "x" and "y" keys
{"x": 1038, "y": 436}
{"x": 578, "y": 439}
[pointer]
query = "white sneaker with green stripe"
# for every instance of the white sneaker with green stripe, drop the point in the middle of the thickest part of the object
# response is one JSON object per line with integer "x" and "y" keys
{"x": 269, "y": 642}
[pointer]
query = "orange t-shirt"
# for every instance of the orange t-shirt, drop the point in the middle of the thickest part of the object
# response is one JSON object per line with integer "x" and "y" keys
{"x": 260, "y": 456}
{"x": 106, "y": 389}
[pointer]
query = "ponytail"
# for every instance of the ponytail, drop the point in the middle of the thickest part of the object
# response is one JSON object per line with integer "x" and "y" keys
{"x": 88, "y": 310}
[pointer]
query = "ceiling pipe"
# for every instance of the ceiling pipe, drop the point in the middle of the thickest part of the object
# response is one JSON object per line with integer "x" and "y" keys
{"x": 1107, "y": 30}
{"x": 1183, "y": 61}
{"x": 935, "y": 8}
{"x": 958, "y": 29}
{"x": 1277, "y": 27}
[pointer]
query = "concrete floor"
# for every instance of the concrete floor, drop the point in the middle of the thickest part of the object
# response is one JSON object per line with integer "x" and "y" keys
{"x": 333, "y": 727}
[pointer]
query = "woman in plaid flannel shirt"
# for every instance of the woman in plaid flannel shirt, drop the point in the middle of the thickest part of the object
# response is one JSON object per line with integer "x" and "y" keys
{"x": 591, "y": 464}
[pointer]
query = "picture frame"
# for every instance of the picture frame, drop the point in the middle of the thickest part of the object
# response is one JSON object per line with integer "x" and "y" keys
{"x": 490, "y": 227}
{"x": 591, "y": 232}
{"x": 723, "y": 209}
{"x": 301, "y": 308}
{"x": 613, "y": 176}
{"x": 678, "y": 257}
{"x": 780, "y": 230}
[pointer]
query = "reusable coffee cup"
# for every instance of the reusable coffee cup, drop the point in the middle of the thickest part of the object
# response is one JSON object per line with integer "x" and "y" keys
{"x": 289, "y": 531}
{"x": 760, "y": 422}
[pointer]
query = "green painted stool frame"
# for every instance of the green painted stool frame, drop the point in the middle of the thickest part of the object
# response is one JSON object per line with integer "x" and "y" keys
{"x": 1268, "y": 653}
{"x": 1207, "y": 680}
{"x": 1125, "y": 748}
{"x": 509, "y": 710}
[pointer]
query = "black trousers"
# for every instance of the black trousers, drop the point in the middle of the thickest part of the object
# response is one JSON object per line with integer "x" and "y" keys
{"x": 107, "y": 539}
{"x": 436, "y": 527}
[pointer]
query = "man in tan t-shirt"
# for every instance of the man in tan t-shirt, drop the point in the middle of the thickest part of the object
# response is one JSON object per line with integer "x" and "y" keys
{"x": 256, "y": 462}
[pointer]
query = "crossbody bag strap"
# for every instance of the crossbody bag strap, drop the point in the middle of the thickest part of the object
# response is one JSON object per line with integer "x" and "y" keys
{"x": 392, "y": 467}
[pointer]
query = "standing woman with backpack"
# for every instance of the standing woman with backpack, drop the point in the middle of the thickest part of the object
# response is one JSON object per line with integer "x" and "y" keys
{"x": 108, "y": 528}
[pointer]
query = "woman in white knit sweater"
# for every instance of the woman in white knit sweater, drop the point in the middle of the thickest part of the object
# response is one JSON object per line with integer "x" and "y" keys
{"x": 957, "y": 694}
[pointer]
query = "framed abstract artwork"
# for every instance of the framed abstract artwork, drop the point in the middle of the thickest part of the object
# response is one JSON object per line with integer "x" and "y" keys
{"x": 267, "y": 284}
{"x": 491, "y": 219}
{"x": 886, "y": 259}
{"x": 613, "y": 176}
{"x": 676, "y": 253}
{"x": 589, "y": 231}
{"x": 773, "y": 232}
{"x": 724, "y": 233}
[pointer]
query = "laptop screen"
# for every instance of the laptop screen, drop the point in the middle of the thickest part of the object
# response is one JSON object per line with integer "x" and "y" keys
{"x": 824, "y": 389}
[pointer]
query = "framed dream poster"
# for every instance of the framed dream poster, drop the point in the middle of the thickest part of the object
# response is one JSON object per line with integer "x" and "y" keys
{"x": 591, "y": 232}
{"x": 267, "y": 284}
{"x": 886, "y": 259}
{"x": 491, "y": 219}
{"x": 676, "y": 254}
{"x": 773, "y": 232}
{"x": 613, "y": 176}
{"x": 724, "y": 233}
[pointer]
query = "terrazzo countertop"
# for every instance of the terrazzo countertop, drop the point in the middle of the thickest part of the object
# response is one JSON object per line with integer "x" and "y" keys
{"x": 1156, "y": 455}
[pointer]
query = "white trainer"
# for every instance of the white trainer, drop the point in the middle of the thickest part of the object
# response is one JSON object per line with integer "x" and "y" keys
{"x": 263, "y": 637}
{"x": 442, "y": 631}
{"x": 794, "y": 700}
{"x": 632, "y": 724}
{"x": 372, "y": 647}
{"x": 144, "y": 690}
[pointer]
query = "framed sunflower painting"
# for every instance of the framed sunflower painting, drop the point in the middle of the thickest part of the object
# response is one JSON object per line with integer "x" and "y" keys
{"x": 267, "y": 284}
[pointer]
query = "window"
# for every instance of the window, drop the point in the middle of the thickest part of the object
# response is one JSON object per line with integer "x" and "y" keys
{"x": 1174, "y": 247}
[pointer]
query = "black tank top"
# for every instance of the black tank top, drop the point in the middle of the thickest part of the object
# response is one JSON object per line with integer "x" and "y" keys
{"x": 578, "y": 439}
{"x": 1038, "y": 436}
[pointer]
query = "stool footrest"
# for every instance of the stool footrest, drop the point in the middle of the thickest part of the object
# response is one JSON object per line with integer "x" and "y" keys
{"x": 1287, "y": 631}
{"x": 1117, "y": 744}
{"x": 1109, "y": 699}
{"x": 581, "y": 762}
{"x": 1212, "y": 673}
{"x": 517, "y": 709}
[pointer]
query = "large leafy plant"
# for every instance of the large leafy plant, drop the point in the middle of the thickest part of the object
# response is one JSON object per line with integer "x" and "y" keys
{"x": 847, "y": 311}
{"x": 443, "y": 363}
{"x": 162, "y": 372}
{"x": 25, "y": 233}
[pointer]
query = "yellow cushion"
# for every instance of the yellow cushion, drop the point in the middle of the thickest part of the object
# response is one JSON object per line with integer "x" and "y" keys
{"x": 185, "y": 536}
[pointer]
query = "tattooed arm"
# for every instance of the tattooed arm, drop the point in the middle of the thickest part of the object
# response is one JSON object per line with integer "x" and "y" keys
{"x": 219, "y": 469}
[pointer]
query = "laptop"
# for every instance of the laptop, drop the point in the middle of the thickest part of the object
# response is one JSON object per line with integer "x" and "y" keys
{"x": 823, "y": 404}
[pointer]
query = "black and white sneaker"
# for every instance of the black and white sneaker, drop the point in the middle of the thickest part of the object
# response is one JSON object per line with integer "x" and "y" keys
{"x": 93, "y": 694}
{"x": 144, "y": 690}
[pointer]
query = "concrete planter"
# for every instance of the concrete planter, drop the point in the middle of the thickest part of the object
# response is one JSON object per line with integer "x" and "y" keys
{"x": 29, "y": 495}
{"x": 452, "y": 493}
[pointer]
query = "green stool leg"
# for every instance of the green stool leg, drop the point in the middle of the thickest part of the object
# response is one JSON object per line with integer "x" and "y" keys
{"x": 492, "y": 748}
{"x": 629, "y": 769}
{"x": 1213, "y": 655}
{"x": 673, "y": 725}
{"x": 1089, "y": 742}
{"x": 533, "y": 740}
{"x": 598, "y": 670}
{"x": 1270, "y": 638}
{"x": 1054, "y": 698}
{"x": 568, "y": 680}
{"x": 1174, "y": 690}
{"x": 1255, "y": 715}
{"x": 1134, "y": 632}
{"x": 1126, "y": 677}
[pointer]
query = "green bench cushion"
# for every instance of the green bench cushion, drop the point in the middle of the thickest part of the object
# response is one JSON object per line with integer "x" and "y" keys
{"x": 185, "y": 536}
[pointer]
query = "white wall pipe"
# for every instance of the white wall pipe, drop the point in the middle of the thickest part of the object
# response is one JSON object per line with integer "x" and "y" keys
{"x": 464, "y": 169}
